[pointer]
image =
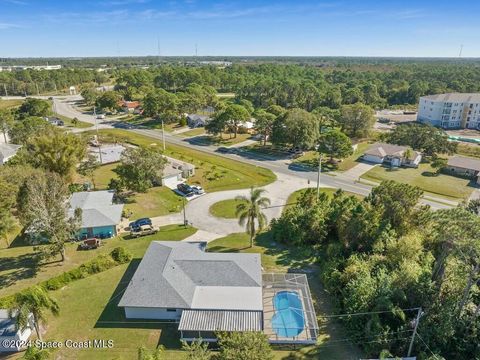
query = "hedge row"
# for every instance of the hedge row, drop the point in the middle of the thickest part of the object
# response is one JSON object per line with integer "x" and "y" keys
{"x": 101, "y": 263}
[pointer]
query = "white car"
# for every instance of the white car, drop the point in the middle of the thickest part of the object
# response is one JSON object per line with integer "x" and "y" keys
{"x": 101, "y": 116}
{"x": 198, "y": 190}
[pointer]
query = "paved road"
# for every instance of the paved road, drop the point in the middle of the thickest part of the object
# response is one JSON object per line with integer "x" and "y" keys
{"x": 281, "y": 167}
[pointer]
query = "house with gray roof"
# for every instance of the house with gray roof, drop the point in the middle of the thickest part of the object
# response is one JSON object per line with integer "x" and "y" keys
{"x": 392, "y": 155}
{"x": 205, "y": 292}
{"x": 464, "y": 166}
{"x": 11, "y": 338}
{"x": 195, "y": 120}
{"x": 100, "y": 215}
{"x": 8, "y": 151}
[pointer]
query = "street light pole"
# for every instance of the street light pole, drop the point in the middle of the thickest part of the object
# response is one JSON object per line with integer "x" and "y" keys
{"x": 417, "y": 321}
{"x": 318, "y": 174}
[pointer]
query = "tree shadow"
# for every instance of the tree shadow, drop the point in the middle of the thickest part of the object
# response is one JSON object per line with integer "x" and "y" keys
{"x": 18, "y": 268}
{"x": 113, "y": 316}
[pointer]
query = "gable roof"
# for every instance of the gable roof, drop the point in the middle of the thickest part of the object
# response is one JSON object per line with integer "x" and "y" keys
{"x": 7, "y": 151}
{"x": 464, "y": 163}
{"x": 383, "y": 149}
{"x": 97, "y": 207}
{"x": 181, "y": 275}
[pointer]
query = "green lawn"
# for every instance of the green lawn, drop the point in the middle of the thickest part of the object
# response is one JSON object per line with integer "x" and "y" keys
{"x": 69, "y": 122}
{"x": 193, "y": 132}
{"x": 311, "y": 159}
{"x": 156, "y": 201}
{"x": 9, "y": 104}
{"x": 20, "y": 269}
{"x": 212, "y": 172}
{"x": 225, "y": 208}
{"x": 447, "y": 186}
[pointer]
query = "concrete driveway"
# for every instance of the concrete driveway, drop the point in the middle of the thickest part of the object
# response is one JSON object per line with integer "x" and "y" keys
{"x": 357, "y": 171}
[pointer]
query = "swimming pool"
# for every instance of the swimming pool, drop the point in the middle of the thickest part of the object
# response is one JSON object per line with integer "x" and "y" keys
{"x": 288, "y": 320}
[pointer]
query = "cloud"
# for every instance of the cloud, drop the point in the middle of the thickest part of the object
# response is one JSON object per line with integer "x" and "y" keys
{"x": 15, "y": 2}
{"x": 6, "y": 26}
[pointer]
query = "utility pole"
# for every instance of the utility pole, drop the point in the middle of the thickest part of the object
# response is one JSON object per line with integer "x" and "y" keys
{"x": 98, "y": 141}
{"x": 417, "y": 321}
{"x": 5, "y": 88}
{"x": 38, "y": 91}
{"x": 185, "y": 222}
{"x": 163, "y": 136}
{"x": 318, "y": 174}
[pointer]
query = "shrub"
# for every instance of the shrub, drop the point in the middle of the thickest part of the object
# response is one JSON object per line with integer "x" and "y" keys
{"x": 182, "y": 121}
{"x": 120, "y": 255}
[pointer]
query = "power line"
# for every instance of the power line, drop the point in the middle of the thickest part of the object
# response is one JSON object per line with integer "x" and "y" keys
{"x": 424, "y": 343}
{"x": 369, "y": 312}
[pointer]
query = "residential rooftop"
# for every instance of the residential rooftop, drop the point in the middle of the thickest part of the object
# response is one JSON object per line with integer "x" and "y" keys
{"x": 464, "y": 163}
{"x": 97, "y": 207}
{"x": 182, "y": 275}
{"x": 383, "y": 149}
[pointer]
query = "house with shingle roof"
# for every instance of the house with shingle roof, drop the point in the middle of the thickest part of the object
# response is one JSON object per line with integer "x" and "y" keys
{"x": 464, "y": 166}
{"x": 206, "y": 292}
{"x": 392, "y": 155}
{"x": 100, "y": 215}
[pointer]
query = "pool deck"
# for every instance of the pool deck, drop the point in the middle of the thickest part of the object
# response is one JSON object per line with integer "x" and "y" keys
{"x": 304, "y": 337}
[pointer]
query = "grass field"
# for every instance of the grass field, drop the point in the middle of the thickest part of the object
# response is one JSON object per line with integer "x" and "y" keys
{"x": 156, "y": 201}
{"x": 212, "y": 172}
{"x": 447, "y": 186}
{"x": 311, "y": 159}
{"x": 88, "y": 310}
{"x": 194, "y": 132}
{"x": 20, "y": 268}
{"x": 225, "y": 208}
{"x": 9, "y": 104}
{"x": 69, "y": 123}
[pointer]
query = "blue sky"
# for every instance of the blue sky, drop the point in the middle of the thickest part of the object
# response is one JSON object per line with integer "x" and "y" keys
{"x": 296, "y": 27}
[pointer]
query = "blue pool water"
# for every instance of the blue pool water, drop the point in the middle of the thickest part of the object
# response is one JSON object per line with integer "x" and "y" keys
{"x": 288, "y": 320}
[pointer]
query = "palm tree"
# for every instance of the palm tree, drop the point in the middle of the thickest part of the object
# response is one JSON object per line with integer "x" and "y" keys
{"x": 249, "y": 211}
{"x": 33, "y": 301}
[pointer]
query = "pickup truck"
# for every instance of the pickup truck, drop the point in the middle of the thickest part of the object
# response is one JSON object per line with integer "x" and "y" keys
{"x": 143, "y": 231}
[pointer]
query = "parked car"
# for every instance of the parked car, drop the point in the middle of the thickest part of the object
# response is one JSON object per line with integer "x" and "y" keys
{"x": 185, "y": 189}
{"x": 198, "y": 190}
{"x": 223, "y": 150}
{"x": 140, "y": 222}
{"x": 143, "y": 231}
{"x": 89, "y": 244}
{"x": 101, "y": 116}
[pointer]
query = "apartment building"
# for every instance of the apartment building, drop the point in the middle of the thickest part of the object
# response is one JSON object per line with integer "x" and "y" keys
{"x": 450, "y": 111}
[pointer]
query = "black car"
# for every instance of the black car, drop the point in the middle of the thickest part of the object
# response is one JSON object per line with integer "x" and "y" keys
{"x": 185, "y": 189}
{"x": 223, "y": 150}
{"x": 140, "y": 222}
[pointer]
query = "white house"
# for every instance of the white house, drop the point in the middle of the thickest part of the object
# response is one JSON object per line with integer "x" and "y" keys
{"x": 450, "y": 111}
{"x": 10, "y": 337}
{"x": 393, "y": 155}
{"x": 195, "y": 120}
{"x": 206, "y": 292}
{"x": 8, "y": 151}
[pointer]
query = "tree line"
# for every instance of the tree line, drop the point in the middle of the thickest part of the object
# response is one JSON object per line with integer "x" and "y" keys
{"x": 384, "y": 255}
